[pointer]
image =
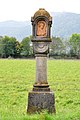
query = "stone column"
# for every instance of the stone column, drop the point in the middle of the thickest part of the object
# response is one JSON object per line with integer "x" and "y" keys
{"x": 41, "y": 98}
{"x": 41, "y": 70}
{"x": 41, "y": 83}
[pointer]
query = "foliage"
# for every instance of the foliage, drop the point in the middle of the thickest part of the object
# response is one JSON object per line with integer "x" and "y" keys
{"x": 26, "y": 49}
{"x": 7, "y": 46}
{"x": 18, "y": 49}
{"x": 75, "y": 45}
{"x": 10, "y": 47}
{"x": 57, "y": 46}
{"x": 17, "y": 78}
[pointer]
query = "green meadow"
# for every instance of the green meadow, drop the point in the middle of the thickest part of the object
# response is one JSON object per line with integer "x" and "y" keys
{"x": 17, "y": 78}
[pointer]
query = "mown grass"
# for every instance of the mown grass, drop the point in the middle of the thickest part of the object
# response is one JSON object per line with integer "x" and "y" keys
{"x": 17, "y": 78}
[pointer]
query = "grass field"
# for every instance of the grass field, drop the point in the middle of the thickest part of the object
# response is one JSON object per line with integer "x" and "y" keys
{"x": 17, "y": 78}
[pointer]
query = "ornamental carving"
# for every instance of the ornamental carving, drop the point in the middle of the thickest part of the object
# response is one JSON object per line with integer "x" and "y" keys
{"x": 41, "y": 47}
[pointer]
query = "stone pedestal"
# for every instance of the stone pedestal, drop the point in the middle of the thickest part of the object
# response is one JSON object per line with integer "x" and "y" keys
{"x": 41, "y": 98}
{"x": 38, "y": 101}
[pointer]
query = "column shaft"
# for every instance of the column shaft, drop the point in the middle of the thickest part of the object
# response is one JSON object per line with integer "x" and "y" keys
{"x": 41, "y": 70}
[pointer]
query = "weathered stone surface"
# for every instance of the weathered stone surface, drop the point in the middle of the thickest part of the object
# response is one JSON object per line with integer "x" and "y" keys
{"x": 41, "y": 12}
{"x": 41, "y": 47}
{"x": 41, "y": 98}
{"x": 38, "y": 101}
{"x": 41, "y": 88}
{"x": 43, "y": 21}
{"x": 41, "y": 70}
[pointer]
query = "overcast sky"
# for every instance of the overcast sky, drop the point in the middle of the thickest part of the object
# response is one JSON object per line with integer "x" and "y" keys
{"x": 22, "y": 10}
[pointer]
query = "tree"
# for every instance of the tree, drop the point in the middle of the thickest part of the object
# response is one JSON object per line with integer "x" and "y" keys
{"x": 11, "y": 47}
{"x": 56, "y": 46}
{"x": 18, "y": 49}
{"x": 75, "y": 45}
{"x": 7, "y": 47}
{"x": 1, "y": 46}
{"x": 25, "y": 47}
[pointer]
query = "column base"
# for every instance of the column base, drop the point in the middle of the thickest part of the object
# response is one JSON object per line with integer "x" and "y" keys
{"x": 41, "y": 87}
{"x": 38, "y": 101}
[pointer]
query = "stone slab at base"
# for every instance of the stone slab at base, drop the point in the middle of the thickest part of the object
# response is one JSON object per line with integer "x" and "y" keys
{"x": 38, "y": 101}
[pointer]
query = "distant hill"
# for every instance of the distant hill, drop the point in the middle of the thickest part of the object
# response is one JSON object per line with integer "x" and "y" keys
{"x": 15, "y": 29}
{"x": 64, "y": 24}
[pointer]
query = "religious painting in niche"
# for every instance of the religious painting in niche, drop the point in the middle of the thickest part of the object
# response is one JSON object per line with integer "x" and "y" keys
{"x": 41, "y": 29}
